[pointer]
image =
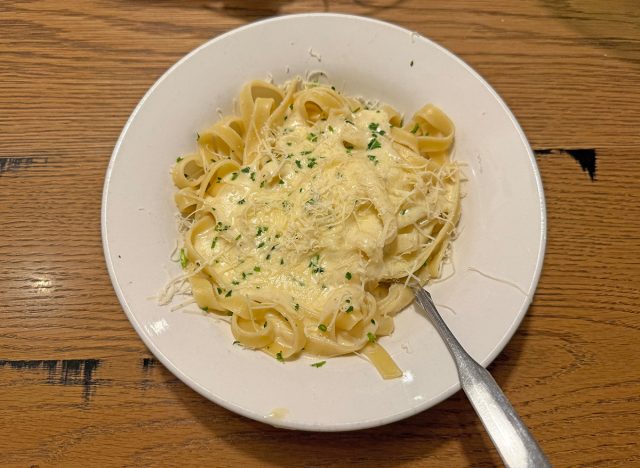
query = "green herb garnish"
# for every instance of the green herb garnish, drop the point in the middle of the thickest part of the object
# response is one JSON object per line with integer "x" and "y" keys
{"x": 373, "y": 144}
{"x": 318, "y": 364}
{"x": 347, "y": 275}
{"x": 322, "y": 327}
{"x": 184, "y": 260}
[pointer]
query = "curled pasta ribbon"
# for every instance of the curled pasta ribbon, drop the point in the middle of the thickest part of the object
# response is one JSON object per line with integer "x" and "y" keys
{"x": 256, "y": 130}
{"x": 188, "y": 171}
{"x": 394, "y": 117}
{"x": 276, "y": 330}
{"x": 187, "y": 201}
{"x": 212, "y": 182}
{"x": 434, "y": 129}
{"x": 251, "y": 92}
{"x": 224, "y": 139}
{"x": 316, "y": 103}
{"x": 436, "y": 251}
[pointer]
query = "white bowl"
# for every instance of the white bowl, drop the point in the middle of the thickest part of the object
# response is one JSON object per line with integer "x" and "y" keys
{"x": 502, "y": 230}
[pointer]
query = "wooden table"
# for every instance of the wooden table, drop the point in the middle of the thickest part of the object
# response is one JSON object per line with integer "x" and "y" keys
{"x": 77, "y": 385}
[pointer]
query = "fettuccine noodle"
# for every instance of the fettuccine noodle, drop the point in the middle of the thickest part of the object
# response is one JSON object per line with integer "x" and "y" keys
{"x": 308, "y": 212}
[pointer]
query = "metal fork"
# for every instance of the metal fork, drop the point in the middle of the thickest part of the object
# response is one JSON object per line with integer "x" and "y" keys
{"x": 514, "y": 442}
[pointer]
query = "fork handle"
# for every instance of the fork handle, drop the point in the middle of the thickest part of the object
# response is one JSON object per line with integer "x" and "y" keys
{"x": 514, "y": 442}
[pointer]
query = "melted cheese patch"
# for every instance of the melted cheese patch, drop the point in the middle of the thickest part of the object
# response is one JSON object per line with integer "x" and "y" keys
{"x": 294, "y": 229}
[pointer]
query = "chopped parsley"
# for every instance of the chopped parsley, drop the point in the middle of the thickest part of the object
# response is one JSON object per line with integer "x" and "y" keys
{"x": 296, "y": 306}
{"x": 205, "y": 308}
{"x": 299, "y": 164}
{"x": 219, "y": 290}
{"x": 318, "y": 364}
{"x": 180, "y": 158}
{"x": 241, "y": 201}
{"x": 411, "y": 64}
{"x": 184, "y": 260}
{"x": 313, "y": 264}
{"x": 235, "y": 283}
{"x": 322, "y": 327}
{"x": 349, "y": 309}
{"x": 279, "y": 357}
{"x": 221, "y": 227}
{"x": 330, "y": 128}
{"x": 261, "y": 229}
{"x": 371, "y": 337}
{"x": 256, "y": 269}
{"x": 281, "y": 182}
{"x": 415, "y": 128}
{"x": 213, "y": 242}
{"x": 311, "y": 163}
{"x": 236, "y": 342}
{"x": 261, "y": 244}
{"x": 253, "y": 176}
{"x": 347, "y": 275}
{"x": 373, "y": 144}
{"x": 229, "y": 293}
{"x": 403, "y": 212}
{"x": 373, "y": 159}
{"x": 245, "y": 169}
{"x": 238, "y": 236}
{"x": 312, "y": 137}
{"x": 234, "y": 176}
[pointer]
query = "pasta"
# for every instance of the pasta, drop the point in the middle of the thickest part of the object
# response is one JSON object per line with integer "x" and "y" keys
{"x": 307, "y": 213}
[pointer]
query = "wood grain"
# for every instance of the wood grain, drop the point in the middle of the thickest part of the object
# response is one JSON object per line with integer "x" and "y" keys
{"x": 78, "y": 387}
